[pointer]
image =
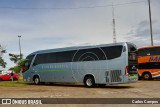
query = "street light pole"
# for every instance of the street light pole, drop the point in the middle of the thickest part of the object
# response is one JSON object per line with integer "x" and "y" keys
{"x": 20, "y": 46}
{"x": 150, "y": 19}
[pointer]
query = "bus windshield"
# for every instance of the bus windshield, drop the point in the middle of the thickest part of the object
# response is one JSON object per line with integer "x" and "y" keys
{"x": 28, "y": 63}
{"x": 149, "y": 51}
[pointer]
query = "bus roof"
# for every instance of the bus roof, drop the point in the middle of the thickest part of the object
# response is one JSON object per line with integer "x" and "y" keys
{"x": 77, "y": 48}
{"x": 147, "y": 47}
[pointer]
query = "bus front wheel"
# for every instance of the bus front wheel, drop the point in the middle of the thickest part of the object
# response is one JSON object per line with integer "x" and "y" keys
{"x": 36, "y": 80}
{"x": 89, "y": 81}
{"x": 147, "y": 76}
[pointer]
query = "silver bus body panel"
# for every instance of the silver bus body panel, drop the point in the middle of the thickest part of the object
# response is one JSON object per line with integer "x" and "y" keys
{"x": 103, "y": 71}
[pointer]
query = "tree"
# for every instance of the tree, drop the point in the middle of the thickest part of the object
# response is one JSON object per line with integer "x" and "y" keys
{"x": 20, "y": 64}
{"x": 2, "y": 62}
{"x": 15, "y": 58}
{"x": 17, "y": 69}
{"x": 2, "y": 50}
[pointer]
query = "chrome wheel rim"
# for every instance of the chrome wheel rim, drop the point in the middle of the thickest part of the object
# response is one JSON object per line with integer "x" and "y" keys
{"x": 146, "y": 76}
{"x": 89, "y": 82}
{"x": 36, "y": 80}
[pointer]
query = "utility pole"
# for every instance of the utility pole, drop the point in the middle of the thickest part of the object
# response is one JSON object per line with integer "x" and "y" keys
{"x": 114, "y": 26}
{"x": 20, "y": 47}
{"x": 150, "y": 19}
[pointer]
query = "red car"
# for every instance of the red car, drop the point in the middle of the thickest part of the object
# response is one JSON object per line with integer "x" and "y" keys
{"x": 7, "y": 77}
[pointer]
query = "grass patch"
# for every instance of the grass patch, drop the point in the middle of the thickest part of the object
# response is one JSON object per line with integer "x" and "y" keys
{"x": 18, "y": 83}
{"x": 13, "y": 83}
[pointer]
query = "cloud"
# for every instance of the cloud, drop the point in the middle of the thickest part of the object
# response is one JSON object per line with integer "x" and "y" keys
{"x": 142, "y": 33}
{"x": 54, "y": 28}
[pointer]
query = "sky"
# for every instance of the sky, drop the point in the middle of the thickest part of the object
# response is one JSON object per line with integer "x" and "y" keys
{"x": 48, "y": 24}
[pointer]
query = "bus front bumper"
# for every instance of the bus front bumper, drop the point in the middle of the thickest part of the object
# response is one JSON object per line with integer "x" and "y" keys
{"x": 132, "y": 77}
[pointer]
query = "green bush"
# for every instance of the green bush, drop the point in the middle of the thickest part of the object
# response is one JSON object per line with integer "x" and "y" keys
{"x": 17, "y": 69}
{"x": 20, "y": 64}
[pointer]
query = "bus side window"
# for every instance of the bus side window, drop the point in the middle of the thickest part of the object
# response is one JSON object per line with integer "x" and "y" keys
{"x": 143, "y": 52}
{"x": 154, "y": 51}
{"x": 34, "y": 64}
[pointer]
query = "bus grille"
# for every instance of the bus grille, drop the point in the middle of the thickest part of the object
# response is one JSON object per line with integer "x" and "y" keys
{"x": 115, "y": 75}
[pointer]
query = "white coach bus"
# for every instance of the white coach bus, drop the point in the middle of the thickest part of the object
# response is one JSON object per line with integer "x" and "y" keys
{"x": 101, "y": 64}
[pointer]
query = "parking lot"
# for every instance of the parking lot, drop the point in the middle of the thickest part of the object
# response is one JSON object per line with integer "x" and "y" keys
{"x": 140, "y": 89}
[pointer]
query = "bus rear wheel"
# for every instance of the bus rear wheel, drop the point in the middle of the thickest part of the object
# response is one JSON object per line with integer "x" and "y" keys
{"x": 147, "y": 76}
{"x": 36, "y": 80}
{"x": 89, "y": 81}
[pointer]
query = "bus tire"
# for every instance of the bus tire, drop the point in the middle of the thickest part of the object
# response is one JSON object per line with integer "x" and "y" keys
{"x": 89, "y": 81}
{"x": 36, "y": 80}
{"x": 147, "y": 76}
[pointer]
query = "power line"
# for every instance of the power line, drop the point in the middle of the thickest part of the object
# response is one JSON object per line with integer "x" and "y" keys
{"x": 71, "y": 8}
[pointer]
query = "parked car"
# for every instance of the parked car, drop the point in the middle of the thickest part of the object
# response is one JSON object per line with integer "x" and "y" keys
{"x": 7, "y": 77}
